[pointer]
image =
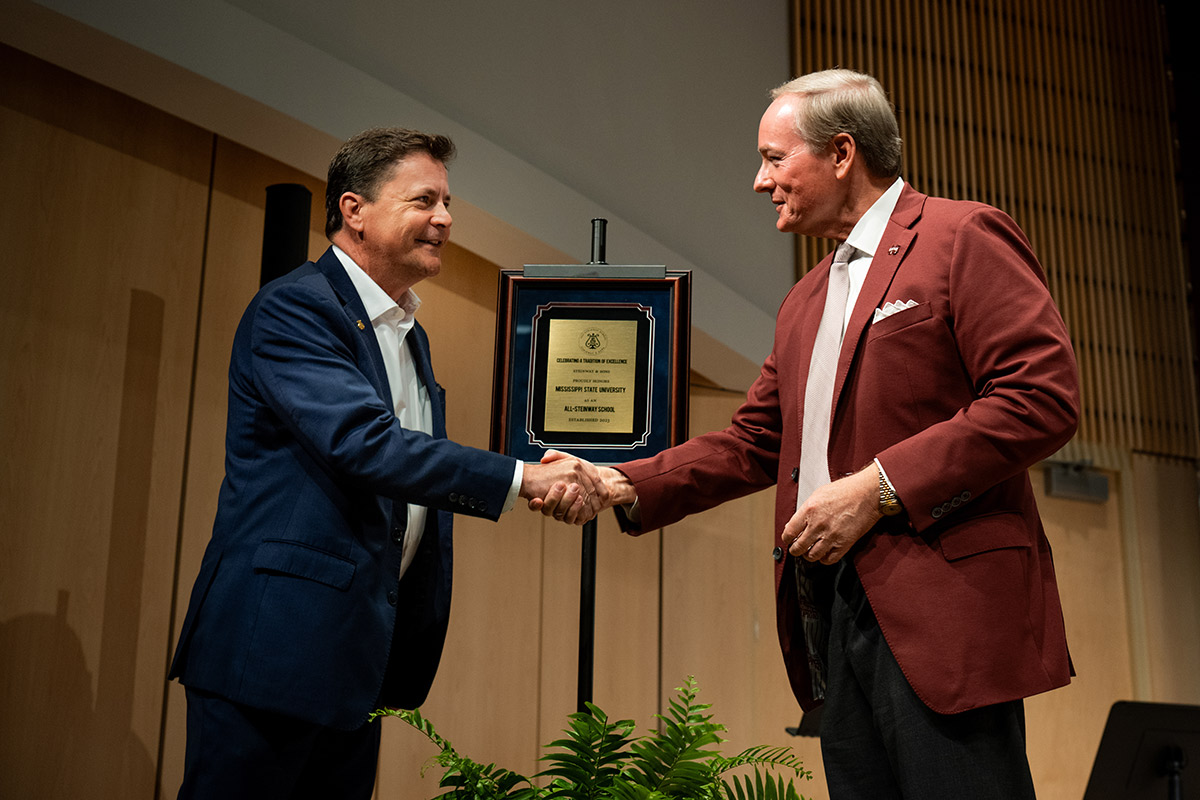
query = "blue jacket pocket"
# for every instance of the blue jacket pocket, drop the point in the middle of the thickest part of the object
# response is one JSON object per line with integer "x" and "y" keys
{"x": 303, "y": 561}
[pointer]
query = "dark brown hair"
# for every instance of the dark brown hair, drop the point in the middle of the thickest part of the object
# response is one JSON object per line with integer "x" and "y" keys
{"x": 365, "y": 161}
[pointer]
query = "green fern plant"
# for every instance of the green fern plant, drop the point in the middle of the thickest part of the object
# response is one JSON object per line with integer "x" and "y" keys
{"x": 602, "y": 759}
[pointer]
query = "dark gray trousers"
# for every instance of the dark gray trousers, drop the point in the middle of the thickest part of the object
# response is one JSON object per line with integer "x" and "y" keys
{"x": 879, "y": 741}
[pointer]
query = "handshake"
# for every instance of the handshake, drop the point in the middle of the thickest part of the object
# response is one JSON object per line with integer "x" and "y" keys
{"x": 573, "y": 490}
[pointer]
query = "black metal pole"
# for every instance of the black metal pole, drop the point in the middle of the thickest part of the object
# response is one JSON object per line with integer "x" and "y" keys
{"x": 1172, "y": 766}
{"x": 587, "y": 614}
{"x": 587, "y": 559}
{"x": 599, "y": 226}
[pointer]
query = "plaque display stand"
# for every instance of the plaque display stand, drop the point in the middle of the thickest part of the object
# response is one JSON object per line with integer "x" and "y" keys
{"x": 593, "y": 360}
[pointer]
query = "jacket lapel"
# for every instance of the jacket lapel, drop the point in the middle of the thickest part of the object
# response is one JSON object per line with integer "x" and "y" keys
{"x": 352, "y": 305}
{"x": 893, "y": 247}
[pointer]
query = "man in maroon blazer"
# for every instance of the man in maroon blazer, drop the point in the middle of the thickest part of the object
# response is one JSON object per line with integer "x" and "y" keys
{"x": 916, "y": 594}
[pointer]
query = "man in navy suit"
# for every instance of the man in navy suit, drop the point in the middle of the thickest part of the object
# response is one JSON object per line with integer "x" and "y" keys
{"x": 325, "y": 590}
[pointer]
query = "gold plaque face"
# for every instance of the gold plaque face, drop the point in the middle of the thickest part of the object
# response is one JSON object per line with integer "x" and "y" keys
{"x": 591, "y": 375}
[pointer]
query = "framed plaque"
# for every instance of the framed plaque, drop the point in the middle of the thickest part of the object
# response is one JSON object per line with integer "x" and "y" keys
{"x": 594, "y": 366}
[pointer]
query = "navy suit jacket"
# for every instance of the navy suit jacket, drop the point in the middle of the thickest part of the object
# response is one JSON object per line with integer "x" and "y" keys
{"x": 298, "y": 603}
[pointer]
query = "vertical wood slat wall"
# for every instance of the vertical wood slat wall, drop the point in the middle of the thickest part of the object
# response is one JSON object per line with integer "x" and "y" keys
{"x": 1058, "y": 114}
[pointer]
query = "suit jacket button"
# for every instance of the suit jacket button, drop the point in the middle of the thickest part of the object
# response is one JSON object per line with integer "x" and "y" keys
{"x": 398, "y": 535}
{"x": 936, "y": 512}
{"x": 795, "y": 474}
{"x": 777, "y": 554}
{"x": 483, "y": 505}
{"x": 454, "y": 497}
{"x": 392, "y": 597}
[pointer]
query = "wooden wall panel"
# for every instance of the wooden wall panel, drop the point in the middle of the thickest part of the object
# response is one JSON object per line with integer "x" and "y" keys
{"x": 626, "y": 636}
{"x": 103, "y": 232}
{"x": 1169, "y": 562}
{"x": 1064, "y": 726}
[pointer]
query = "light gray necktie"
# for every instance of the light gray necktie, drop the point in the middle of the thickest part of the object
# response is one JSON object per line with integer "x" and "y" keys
{"x": 818, "y": 392}
{"x": 814, "y": 446}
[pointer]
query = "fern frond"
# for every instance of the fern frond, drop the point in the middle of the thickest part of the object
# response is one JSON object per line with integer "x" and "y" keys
{"x": 588, "y": 761}
{"x": 466, "y": 779}
{"x": 761, "y": 788}
{"x": 762, "y": 755}
{"x": 675, "y": 760}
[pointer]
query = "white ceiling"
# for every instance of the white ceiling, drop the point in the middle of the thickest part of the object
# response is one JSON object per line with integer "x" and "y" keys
{"x": 643, "y": 112}
{"x": 650, "y": 108}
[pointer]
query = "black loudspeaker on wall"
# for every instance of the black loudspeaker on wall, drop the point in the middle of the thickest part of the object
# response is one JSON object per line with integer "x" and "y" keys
{"x": 285, "y": 230}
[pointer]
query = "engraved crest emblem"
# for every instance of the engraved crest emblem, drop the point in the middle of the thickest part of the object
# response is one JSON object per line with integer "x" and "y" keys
{"x": 593, "y": 340}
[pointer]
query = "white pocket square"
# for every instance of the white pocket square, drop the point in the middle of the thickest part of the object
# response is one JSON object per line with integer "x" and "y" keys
{"x": 893, "y": 308}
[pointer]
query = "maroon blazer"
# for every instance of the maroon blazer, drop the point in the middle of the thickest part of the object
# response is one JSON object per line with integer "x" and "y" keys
{"x": 957, "y": 396}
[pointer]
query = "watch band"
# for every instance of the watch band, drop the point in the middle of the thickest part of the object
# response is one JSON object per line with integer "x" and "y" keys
{"x": 889, "y": 503}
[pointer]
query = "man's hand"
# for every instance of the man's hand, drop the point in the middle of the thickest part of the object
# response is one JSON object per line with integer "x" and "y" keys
{"x": 834, "y": 517}
{"x": 620, "y": 491}
{"x": 564, "y": 487}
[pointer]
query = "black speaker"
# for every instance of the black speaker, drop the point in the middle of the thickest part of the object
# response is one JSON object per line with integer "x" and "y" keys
{"x": 285, "y": 230}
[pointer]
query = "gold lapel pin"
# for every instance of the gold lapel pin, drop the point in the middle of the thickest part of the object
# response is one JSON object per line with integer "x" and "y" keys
{"x": 361, "y": 327}
{"x": 893, "y": 250}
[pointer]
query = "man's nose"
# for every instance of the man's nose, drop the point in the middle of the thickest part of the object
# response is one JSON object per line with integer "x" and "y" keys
{"x": 762, "y": 181}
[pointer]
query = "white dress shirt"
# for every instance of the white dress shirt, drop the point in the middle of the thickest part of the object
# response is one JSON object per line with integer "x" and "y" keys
{"x": 392, "y": 322}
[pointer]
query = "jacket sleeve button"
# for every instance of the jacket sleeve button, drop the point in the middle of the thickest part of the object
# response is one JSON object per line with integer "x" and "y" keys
{"x": 777, "y": 554}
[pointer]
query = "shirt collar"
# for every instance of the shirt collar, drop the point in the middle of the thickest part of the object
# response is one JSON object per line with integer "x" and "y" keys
{"x": 374, "y": 299}
{"x": 868, "y": 231}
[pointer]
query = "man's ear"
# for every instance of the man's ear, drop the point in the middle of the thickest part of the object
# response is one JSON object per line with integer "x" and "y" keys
{"x": 351, "y": 206}
{"x": 845, "y": 151}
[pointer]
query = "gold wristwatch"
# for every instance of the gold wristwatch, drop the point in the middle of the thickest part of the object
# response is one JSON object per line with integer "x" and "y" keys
{"x": 889, "y": 503}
